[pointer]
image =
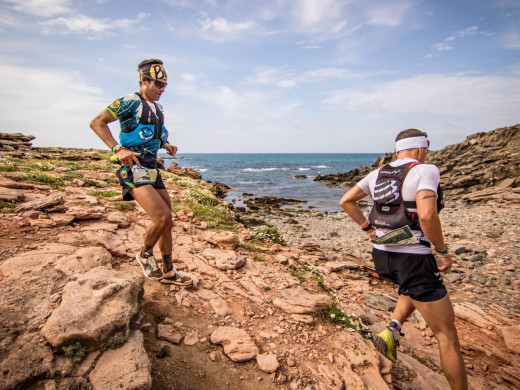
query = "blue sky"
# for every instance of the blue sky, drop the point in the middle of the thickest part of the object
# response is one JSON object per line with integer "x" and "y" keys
{"x": 265, "y": 76}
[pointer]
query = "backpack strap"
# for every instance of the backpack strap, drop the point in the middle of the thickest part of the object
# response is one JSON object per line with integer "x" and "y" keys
{"x": 412, "y": 204}
{"x": 148, "y": 113}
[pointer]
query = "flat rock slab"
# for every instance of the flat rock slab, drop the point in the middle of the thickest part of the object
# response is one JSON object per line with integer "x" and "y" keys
{"x": 267, "y": 363}
{"x": 168, "y": 333}
{"x": 223, "y": 240}
{"x": 297, "y": 300}
{"x": 127, "y": 367}
{"x": 26, "y": 360}
{"x": 11, "y": 195}
{"x": 223, "y": 259}
{"x": 238, "y": 345}
{"x": 42, "y": 203}
{"x": 119, "y": 218}
{"x": 220, "y": 306}
{"x": 474, "y": 314}
{"x": 191, "y": 338}
{"x": 83, "y": 260}
{"x": 94, "y": 307}
{"x": 83, "y": 213}
{"x": 424, "y": 378}
{"x": 512, "y": 338}
{"x": 35, "y": 260}
{"x": 339, "y": 265}
{"x": 379, "y": 301}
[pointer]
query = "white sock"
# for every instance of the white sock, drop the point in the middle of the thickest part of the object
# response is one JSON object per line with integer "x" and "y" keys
{"x": 397, "y": 322}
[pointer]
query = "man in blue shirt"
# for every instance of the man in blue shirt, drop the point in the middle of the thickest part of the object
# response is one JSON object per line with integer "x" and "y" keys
{"x": 142, "y": 134}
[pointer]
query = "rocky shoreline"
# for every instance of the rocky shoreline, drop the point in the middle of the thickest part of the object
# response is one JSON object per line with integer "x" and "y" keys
{"x": 267, "y": 311}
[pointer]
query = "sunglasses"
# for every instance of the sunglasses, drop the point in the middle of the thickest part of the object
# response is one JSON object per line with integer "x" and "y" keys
{"x": 158, "y": 84}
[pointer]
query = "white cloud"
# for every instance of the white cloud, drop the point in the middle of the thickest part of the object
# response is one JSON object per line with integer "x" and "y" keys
{"x": 85, "y": 24}
{"x": 61, "y": 106}
{"x": 42, "y": 8}
{"x": 486, "y": 98}
{"x": 288, "y": 78}
{"x": 190, "y": 76}
{"x": 511, "y": 39}
{"x": 314, "y": 12}
{"x": 442, "y": 46}
{"x": 321, "y": 19}
{"x": 220, "y": 29}
{"x": 388, "y": 13}
{"x": 468, "y": 32}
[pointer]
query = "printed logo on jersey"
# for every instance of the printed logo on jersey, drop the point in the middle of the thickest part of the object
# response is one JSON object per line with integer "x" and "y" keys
{"x": 116, "y": 104}
{"x": 146, "y": 133}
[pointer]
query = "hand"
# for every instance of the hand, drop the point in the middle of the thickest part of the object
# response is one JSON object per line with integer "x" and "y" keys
{"x": 447, "y": 261}
{"x": 371, "y": 233}
{"x": 127, "y": 157}
{"x": 170, "y": 149}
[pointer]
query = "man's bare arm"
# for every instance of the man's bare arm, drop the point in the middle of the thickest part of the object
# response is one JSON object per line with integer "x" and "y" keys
{"x": 431, "y": 224}
{"x": 100, "y": 126}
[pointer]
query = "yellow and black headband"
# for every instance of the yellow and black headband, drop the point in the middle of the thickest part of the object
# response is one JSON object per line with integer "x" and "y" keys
{"x": 152, "y": 72}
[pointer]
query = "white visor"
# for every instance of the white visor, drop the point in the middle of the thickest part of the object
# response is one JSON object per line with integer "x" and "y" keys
{"x": 411, "y": 143}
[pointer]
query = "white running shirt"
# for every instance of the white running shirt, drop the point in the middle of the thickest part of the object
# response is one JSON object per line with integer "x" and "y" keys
{"x": 420, "y": 177}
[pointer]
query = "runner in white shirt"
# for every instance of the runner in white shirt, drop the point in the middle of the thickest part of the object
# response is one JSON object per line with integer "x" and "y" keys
{"x": 412, "y": 267}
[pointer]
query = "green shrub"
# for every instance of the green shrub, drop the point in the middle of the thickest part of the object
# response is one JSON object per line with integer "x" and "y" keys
{"x": 75, "y": 351}
{"x": 125, "y": 206}
{"x": 39, "y": 166}
{"x": 105, "y": 194}
{"x": 269, "y": 234}
{"x": 92, "y": 183}
{"x": 296, "y": 273}
{"x": 201, "y": 196}
{"x": 348, "y": 319}
{"x": 186, "y": 182}
{"x": 118, "y": 339}
{"x": 257, "y": 257}
{"x": 7, "y": 168}
{"x": 217, "y": 217}
{"x": 7, "y": 207}
{"x": 41, "y": 177}
{"x": 69, "y": 176}
{"x": 316, "y": 274}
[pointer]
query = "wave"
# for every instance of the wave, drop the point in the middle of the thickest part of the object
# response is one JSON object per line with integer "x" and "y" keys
{"x": 264, "y": 169}
{"x": 201, "y": 169}
{"x": 304, "y": 169}
{"x": 320, "y": 166}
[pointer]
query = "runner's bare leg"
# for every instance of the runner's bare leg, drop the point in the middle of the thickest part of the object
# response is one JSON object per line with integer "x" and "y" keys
{"x": 154, "y": 205}
{"x": 440, "y": 317}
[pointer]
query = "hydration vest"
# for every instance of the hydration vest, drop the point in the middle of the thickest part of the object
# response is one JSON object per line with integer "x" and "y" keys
{"x": 150, "y": 126}
{"x": 390, "y": 211}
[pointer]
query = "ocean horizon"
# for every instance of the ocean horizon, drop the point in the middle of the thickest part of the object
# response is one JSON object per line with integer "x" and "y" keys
{"x": 273, "y": 174}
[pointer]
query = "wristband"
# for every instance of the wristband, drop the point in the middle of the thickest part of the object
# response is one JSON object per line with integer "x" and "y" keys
{"x": 442, "y": 253}
{"x": 115, "y": 148}
{"x": 366, "y": 226}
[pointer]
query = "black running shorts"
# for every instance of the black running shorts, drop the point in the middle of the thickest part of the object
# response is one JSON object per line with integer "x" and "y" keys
{"x": 127, "y": 183}
{"x": 416, "y": 275}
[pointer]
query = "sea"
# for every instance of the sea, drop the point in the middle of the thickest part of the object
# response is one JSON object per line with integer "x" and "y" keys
{"x": 264, "y": 174}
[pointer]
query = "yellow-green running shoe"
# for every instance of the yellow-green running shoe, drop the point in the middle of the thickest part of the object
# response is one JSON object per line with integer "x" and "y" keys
{"x": 386, "y": 344}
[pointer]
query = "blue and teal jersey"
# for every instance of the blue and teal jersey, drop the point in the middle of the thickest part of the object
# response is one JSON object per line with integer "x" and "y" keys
{"x": 142, "y": 130}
